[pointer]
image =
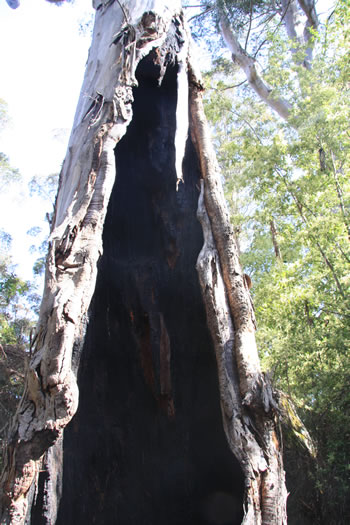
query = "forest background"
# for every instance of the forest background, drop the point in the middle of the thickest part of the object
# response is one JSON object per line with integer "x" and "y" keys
{"x": 278, "y": 101}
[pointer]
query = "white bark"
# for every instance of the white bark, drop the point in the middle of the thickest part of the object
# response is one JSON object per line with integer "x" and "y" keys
{"x": 247, "y": 63}
{"x": 299, "y": 16}
{"x": 308, "y": 6}
{"x": 293, "y": 20}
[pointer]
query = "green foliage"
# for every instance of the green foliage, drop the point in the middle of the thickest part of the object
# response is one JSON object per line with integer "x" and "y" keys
{"x": 252, "y": 20}
{"x": 17, "y": 298}
{"x": 12, "y": 369}
{"x": 288, "y": 188}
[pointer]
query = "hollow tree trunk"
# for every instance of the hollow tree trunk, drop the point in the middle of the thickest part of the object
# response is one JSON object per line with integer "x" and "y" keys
{"x": 145, "y": 311}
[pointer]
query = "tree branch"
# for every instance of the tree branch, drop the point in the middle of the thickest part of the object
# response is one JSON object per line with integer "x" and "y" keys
{"x": 296, "y": 29}
{"x": 124, "y": 12}
{"x": 308, "y": 6}
{"x": 227, "y": 87}
{"x": 247, "y": 124}
{"x": 250, "y": 25}
{"x": 292, "y": 20}
{"x": 205, "y": 12}
{"x": 247, "y": 63}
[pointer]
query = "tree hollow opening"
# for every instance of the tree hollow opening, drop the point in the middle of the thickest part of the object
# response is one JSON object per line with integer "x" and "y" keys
{"x": 147, "y": 444}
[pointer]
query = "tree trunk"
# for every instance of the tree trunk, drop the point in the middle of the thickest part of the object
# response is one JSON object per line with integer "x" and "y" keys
{"x": 136, "y": 309}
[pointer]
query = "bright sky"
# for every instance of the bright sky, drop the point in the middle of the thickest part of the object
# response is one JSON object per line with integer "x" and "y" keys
{"x": 42, "y": 62}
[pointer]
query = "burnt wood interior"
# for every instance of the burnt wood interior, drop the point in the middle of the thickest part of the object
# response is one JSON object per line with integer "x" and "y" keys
{"x": 147, "y": 445}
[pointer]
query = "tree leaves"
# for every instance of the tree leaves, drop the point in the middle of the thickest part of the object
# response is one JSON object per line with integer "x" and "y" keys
{"x": 274, "y": 172}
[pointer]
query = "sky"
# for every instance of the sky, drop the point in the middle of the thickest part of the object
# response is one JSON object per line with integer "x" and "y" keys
{"x": 42, "y": 60}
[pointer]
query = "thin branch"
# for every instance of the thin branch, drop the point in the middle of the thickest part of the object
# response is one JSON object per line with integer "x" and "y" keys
{"x": 290, "y": 189}
{"x": 259, "y": 47}
{"x": 4, "y": 427}
{"x": 340, "y": 195}
{"x": 275, "y": 243}
{"x": 4, "y": 408}
{"x": 330, "y": 16}
{"x": 3, "y": 351}
{"x": 342, "y": 252}
{"x": 330, "y": 310}
{"x": 268, "y": 16}
{"x": 12, "y": 372}
{"x": 228, "y": 87}
{"x": 201, "y": 14}
{"x": 273, "y": 32}
{"x": 248, "y": 124}
{"x": 250, "y": 25}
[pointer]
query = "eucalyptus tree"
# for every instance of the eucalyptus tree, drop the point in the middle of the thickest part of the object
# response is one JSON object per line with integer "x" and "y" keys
{"x": 143, "y": 289}
{"x": 246, "y": 27}
{"x": 300, "y": 20}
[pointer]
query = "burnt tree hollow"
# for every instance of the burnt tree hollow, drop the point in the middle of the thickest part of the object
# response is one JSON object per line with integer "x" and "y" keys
{"x": 147, "y": 444}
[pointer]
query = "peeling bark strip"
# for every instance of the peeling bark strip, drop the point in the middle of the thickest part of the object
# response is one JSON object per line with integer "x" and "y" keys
{"x": 249, "y": 414}
{"x": 124, "y": 33}
{"x": 251, "y": 380}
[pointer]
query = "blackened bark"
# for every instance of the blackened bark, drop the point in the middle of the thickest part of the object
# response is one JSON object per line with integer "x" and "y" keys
{"x": 48, "y": 490}
{"x": 147, "y": 444}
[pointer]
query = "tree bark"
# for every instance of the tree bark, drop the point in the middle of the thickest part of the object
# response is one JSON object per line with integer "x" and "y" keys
{"x": 275, "y": 242}
{"x": 298, "y": 17}
{"x": 232, "y": 324}
{"x": 125, "y": 319}
{"x": 247, "y": 64}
